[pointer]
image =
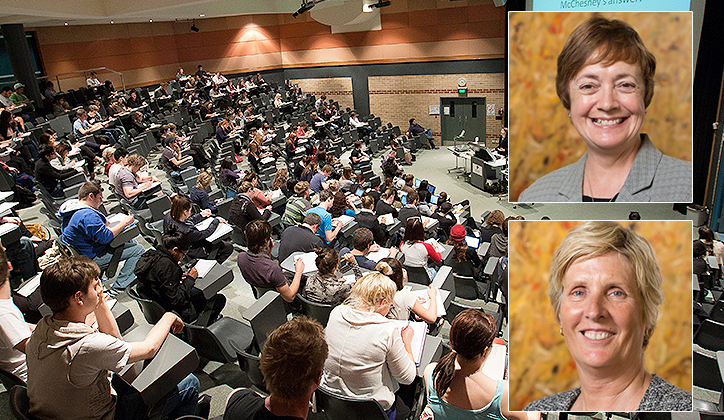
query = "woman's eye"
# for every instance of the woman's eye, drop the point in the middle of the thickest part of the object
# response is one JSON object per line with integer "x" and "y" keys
{"x": 587, "y": 87}
{"x": 618, "y": 293}
{"x": 577, "y": 293}
{"x": 627, "y": 86}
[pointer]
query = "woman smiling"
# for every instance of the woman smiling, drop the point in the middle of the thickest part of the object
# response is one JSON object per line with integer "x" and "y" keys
{"x": 605, "y": 288}
{"x": 605, "y": 80}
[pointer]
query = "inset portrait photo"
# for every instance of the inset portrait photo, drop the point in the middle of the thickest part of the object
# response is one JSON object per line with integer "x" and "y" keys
{"x": 600, "y": 316}
{"x": 600, "y": 106}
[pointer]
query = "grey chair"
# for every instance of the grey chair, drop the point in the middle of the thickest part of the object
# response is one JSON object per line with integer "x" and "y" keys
{"x": 457, "y": 307}
{"x": 417, "y": 275}
{"x": 338, "y": 407}
{"x": 467, "y": 288}
{"x": 214, "y": 342}
{"x": 152, "y": 310}
{"x": 19, "y": 403}
{"x": 249, "y": 364}
{"x": 315, "y": 310}
{"x": 710, "y": 335}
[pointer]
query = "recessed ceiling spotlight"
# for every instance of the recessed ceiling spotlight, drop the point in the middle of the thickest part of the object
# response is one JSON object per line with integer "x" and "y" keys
{"x": 202, "y": 15}
{"x": 112, "y": 22}
{"x": 66, "y": 23}
{"x": 150, "y": 20}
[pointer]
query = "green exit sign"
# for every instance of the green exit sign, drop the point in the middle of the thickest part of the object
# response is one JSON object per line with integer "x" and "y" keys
{"x": 462, "y": 91}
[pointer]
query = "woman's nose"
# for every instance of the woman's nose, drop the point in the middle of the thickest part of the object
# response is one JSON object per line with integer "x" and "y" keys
{"x": 608, "y": 99}
{"x": 595, "y": 307}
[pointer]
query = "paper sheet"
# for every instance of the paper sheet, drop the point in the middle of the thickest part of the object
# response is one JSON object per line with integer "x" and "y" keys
{"x": 204, "y": 266}
{"x": 308, "y": 259}
{"x": 377, "y": 256}
{"x": 440, "y": 305}
{"x": 30, "y": 286}
{"x": 435, "y": 244}
{"x": 418, "y": 340}
{"x": 386, "y": 219}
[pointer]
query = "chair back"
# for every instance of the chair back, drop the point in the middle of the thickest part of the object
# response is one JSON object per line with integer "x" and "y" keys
{"x": 706, "y": 373}
{"x": 206, "y": 343}
{"x": 457, "y": 307}
{"x": 249, "y": 364}
{"x": 338, "y": 407}
{"x": 20, "y": 403}
{"x": 152, "y": 310}
{"x": 315, "y": 310}
{"x": 710, "y": 335}
{"x": 265, "y": 315}
{"x": 417, "y": 275}
{"x": 9, "y": 380}
{"x": 158, "y": 205}
{"x": 466, "y": 287}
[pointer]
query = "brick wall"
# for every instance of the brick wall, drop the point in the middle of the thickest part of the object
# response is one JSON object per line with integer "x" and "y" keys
{"x": 396, "y": 99}
{"x": 337, "y": 88}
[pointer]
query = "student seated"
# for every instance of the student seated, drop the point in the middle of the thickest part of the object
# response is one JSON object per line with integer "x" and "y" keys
{"x": 415, "y": 249}
{"x": 86, "y": 229}
{"x": 297, "y": 205}
{"x": 405, "y": 300}
{"x": 181, "y": 217}
{"x": 14, "y": 332}
{"x": 456, "y": 386}
{"x": 367, "y": 218}
{"x": 324, "y": 286}
{"x": 301, "y": 238}
{"x": 48, "y": 176}
{"x": 326, "y": 231}
{"x": 242, "y": 209}
{"x": 127, "y": 185}
{"x": 363, "y": 242}
{"x": 292, "y": 361}
{"x": 257, "y": 266}
{"x": 367, "y": 350}
{"x": 200, "y": 197}
{"x": 465, "y": 261}
{"x": 69, "y": 361}
{"x": 161, "y": 279}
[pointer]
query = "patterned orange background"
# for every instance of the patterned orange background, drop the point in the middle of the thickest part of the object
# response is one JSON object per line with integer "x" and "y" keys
{"x": 540, "y": 364}
{"x": 542, "y": 137}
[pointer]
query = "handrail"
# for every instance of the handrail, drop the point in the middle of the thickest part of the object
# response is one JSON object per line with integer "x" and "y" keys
{"x": 85, "y": 76}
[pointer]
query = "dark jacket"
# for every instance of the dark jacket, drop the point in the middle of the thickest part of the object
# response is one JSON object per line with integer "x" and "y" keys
{"x": 242, "y": 211}
{"x": 48, "y": 176}
{"x": 369, "y": 220}
{"x": 161, "y": 279}
{"x": 406, "y": 212}
{"x": 384, "y": 208}
{"x": 201, "y": 198}
{"x": 195, "y": 236}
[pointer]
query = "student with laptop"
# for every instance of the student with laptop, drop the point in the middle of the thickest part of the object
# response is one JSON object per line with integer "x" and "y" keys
{"x": 465, "y": 261}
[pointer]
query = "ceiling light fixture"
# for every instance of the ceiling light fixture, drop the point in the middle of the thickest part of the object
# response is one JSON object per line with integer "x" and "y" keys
{"x": 193, "y": 26}
{"x": 366, "y": 8}
{"x": 66, "y": 23}
{"x": 306, "y": 6}
{"x": 380, "y": 4}
{"x": 112, "y": 22}
{"x": 202, "y": 15}
{"x": 150, "y": 20}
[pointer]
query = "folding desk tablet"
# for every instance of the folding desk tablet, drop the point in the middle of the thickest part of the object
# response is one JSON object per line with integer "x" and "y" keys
{"x": 265, "y": 315}
{"x": 154, "y": 378}
{"x": 216, "y": 279}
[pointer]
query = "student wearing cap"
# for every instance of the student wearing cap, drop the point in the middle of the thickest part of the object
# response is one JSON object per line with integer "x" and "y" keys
{"x": 18, "y": 97}
{"x": 465, "y": 260}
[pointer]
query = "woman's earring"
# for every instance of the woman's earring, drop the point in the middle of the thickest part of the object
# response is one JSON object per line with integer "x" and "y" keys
{"x": 569, "y": 115}
{"x": 561, "y": 330}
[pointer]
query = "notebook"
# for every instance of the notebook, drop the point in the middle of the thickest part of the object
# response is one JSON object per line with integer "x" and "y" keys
{"x": 418, "y": 340}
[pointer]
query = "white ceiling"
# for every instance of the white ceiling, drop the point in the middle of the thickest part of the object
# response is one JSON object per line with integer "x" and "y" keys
{"x": 34, "y": 13}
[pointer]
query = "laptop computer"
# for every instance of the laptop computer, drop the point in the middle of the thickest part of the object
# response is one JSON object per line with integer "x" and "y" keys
{"x": 472, "y": 241}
